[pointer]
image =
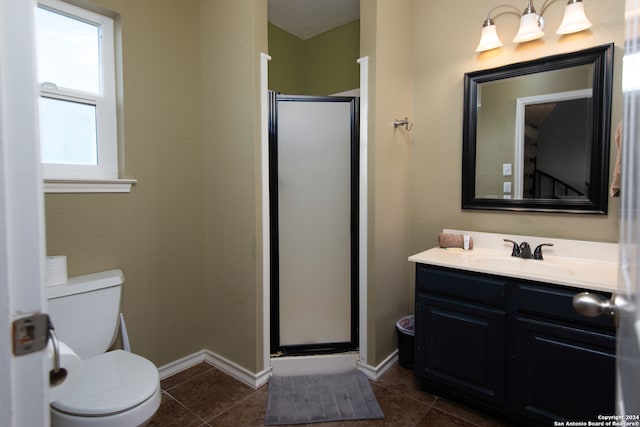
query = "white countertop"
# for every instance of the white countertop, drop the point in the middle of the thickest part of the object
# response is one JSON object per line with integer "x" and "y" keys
{"x": 582, "y": 264}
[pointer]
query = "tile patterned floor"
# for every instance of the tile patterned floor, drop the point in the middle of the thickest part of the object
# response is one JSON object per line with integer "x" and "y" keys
{"x": 205, "y": 396}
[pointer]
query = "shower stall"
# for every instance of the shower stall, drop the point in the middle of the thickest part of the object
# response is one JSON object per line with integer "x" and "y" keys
{"x": 314, "y": 199}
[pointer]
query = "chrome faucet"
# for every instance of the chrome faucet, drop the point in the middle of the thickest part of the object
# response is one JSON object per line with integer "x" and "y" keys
{"x": 524, "y": 250}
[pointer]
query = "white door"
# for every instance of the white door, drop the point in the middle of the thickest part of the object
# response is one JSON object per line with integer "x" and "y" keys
{"x": 625, "y": 303}
{"x": 628, "y": 352}
{"x": 23, "y": 379}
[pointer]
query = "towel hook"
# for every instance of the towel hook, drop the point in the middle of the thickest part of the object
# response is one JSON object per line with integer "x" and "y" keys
{"x": 405, "y": 122}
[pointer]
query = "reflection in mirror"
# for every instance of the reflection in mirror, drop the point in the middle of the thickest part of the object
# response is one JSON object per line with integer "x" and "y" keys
{"x": 548, "y": 170}
{"x": 536, "y": 134}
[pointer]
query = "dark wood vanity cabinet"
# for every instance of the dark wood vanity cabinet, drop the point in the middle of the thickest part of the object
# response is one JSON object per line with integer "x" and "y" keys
{"x": 460, "y": 333}
{"x": 514, "y": 347}
{"x": 564, "y": 362}
{"x": 474, "y": 360}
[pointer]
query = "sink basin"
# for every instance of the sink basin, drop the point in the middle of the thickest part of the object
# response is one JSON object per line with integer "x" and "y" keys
{"x": 519, "y": 265}
{"x": 574, "y": 263}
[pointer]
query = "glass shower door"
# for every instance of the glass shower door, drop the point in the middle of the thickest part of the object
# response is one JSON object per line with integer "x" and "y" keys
{"x": 314, "y": 148}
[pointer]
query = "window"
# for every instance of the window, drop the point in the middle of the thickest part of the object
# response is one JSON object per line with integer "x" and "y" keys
{"x": 76, "y": 74}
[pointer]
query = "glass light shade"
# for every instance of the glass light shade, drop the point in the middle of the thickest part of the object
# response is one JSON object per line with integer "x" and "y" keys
{"x": 529, "y": 28}
{"x": 489, "y": 39}
{"x": 574, "y": 19}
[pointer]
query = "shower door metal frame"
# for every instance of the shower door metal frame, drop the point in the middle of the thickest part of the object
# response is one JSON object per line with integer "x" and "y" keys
{"x": 317, "y": 348}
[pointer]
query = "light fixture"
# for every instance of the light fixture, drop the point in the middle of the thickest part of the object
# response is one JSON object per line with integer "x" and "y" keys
{"x": 574, "y": 19}
{"x": 532, "y": 23}
{"x": 489, "y": 38}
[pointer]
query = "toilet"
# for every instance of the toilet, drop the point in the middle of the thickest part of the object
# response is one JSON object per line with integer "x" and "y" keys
{"x": 114, "y": 388}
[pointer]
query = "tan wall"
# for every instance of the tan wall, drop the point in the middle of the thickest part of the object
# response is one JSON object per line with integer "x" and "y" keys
{"x": 444, "y": 51}
{"x": 386, "y": 37}
{"x": 321, "y": 65}
{"x": 188, "y": 236}
{"x": 330, "y": 60}
{"x": 287, "y": 66}
{"x": 233, "y": 35}
{"x": 155, "y": 234}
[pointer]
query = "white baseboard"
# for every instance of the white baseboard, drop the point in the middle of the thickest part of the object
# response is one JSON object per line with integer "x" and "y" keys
{"x": 181, "y": 364}
{"x": 244, "y": 375}
{"x": 375, "y": 372}
{"x": 304, "y": 365}
{"x": 314, "y": 364}
{"x": 254, "y": 380}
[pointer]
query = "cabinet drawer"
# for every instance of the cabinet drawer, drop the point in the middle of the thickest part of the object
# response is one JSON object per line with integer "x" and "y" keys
{"x": 556, "y": 302}
{"x": 473, "y": 287}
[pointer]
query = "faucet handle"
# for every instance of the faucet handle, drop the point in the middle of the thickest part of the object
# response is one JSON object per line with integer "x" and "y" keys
{"x": 516, "y": 249}
{"x": 537, "y": 254}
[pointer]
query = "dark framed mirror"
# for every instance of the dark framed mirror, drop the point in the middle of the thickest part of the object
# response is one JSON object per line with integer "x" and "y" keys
{"x": 536, "y": 134}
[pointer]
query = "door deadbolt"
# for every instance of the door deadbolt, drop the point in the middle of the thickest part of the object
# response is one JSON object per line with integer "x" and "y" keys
{"x": 30, "y": 334}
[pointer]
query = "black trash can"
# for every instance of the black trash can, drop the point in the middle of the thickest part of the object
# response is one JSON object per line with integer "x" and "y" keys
{"x": 406, "y": 341}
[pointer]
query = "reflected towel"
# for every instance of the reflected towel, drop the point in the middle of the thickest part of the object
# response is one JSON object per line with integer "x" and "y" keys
{"x": 614, "y": 191}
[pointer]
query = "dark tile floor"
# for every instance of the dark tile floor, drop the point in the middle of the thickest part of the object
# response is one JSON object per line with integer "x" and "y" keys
{"x": 205, "y": 396}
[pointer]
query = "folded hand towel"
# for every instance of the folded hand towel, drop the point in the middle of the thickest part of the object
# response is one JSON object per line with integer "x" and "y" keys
{"x": 453, "y": 241}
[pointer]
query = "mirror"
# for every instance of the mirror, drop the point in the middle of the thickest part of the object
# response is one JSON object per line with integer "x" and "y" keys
{"x": 536, "y": 135}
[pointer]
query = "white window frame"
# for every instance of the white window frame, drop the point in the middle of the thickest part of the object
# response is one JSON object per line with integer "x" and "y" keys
{"x": 102, "y": 177}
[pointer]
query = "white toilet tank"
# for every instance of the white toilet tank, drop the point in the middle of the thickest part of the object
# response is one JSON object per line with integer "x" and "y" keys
{"x": 84, "y": 311}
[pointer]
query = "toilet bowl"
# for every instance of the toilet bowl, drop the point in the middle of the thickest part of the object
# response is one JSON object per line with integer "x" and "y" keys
{"x": 114, "y": 388}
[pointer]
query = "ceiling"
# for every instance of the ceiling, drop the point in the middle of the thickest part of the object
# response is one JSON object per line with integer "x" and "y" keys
{"x": 308, "y": 18}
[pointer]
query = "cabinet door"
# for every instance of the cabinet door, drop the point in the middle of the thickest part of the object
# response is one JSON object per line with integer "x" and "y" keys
{"x": 563, "y": 373}
{"x": 461, "y": 346}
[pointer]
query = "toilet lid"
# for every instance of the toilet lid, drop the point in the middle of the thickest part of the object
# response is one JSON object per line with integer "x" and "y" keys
{"x": 110, "y": 383}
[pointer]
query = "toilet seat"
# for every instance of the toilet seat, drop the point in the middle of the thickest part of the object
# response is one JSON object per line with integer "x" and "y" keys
{"x": 110, "y": 383}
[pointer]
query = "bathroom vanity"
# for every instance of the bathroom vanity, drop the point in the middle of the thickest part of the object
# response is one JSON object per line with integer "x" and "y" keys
{"x": 501, "y": 333}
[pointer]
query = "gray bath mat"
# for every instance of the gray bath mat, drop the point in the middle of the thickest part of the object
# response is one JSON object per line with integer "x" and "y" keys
{"x": 319, "y": 398}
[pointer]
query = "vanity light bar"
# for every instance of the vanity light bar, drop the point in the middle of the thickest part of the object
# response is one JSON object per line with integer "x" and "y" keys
{"x": 532, "y": 23}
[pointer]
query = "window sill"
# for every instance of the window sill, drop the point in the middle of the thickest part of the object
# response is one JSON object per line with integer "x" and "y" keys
{"x": 88, "y": 186}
